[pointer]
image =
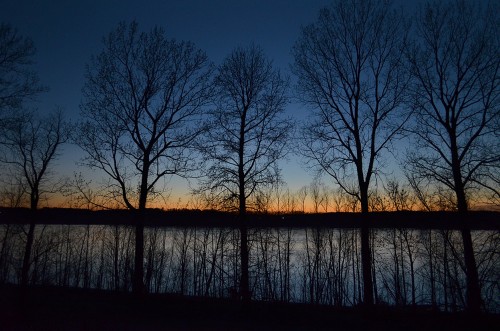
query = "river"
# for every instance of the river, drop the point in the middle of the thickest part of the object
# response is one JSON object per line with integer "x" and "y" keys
{"x": 308, "y": 265}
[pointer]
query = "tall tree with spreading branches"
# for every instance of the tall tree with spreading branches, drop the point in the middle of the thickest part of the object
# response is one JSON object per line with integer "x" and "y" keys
{"x": 455, "y": 62}
{"x": 246, "y": 137}
{"x": 18, "y": 81}
{"x": 32, "y": 144}
{"x": 351, "y": 73}
{"x": 143, "y": 97}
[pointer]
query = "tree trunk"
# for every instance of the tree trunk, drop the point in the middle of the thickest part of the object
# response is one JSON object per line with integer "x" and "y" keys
{"x": 473, "y": 288}
{"x": 244, "y": 255}
{"x": 366, "y": 252}
{"x": 34, "y": 198}
{"x": 27, "y": 254}
{"x": 138, "y": 281}
{"x": 244, "y": 280}
{"x": 431, "y": 270}
{"x": 115, "y": 258}
{"x": 138, "y": 285}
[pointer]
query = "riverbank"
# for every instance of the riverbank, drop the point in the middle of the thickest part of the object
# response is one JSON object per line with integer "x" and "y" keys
{"x": 55, "y": 308}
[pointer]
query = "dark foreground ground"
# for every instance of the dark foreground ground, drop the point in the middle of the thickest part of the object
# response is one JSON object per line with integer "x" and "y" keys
{"x": 74, "y": 309}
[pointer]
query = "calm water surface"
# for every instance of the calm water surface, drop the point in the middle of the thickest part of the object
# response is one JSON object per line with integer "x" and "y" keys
{"x": 321, "y": 266}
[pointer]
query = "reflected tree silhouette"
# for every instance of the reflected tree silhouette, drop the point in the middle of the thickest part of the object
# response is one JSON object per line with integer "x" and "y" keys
{"x": 323, "y": 267}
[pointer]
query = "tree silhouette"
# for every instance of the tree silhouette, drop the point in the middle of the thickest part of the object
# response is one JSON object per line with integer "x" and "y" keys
{"x": 245, "y": 137}
{"x": 142, "y": 97}
{"x": 351, "y": 73}
{"x": 456, "y": 65}
{"x": 32, "y": 144}
{"x": 18, "y": 81}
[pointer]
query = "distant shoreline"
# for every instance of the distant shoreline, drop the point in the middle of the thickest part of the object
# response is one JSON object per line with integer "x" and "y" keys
{"x": 474, "y": 220}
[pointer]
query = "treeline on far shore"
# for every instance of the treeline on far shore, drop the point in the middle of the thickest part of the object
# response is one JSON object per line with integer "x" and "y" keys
{"x": 479, "y": 220}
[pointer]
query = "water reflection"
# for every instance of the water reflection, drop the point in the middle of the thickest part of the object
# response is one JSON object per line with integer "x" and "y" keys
{"x": 319, "y": 266}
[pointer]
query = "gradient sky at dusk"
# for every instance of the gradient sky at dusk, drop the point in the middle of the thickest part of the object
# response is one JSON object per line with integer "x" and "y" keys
{"x": 66, "y": 34}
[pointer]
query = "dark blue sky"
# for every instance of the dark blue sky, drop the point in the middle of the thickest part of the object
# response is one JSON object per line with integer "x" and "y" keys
{"x": 66, "y": 33}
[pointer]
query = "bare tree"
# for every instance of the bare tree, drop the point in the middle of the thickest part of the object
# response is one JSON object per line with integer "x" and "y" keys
{"x": 351, "y": 73}
{"x": 246, "y": 136}
{"x": 302, "y": 197}
{"x": 142, "y": 98}
{"x": 18, "y": 82}
{"x": 33, "y": 144}
{"x": 289, "y": 204}
{"x": 398, "y": 196}
{"x": 82, "y": 193}
{"x": 456, "y": 65}
{"x": 13, "y": 191}
{"x": 316, "y": 195}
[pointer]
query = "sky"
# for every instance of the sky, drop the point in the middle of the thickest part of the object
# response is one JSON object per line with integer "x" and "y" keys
{"x": 67, "y": 33}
